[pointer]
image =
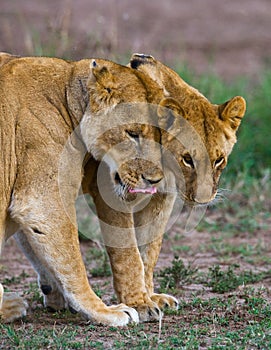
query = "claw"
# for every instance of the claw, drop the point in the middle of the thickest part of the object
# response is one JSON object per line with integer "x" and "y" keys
{"x": 133, "y": 315}
{"x": 165, "y": 300}
{"x": 176, "y": 304}
{"x": 128, "y": 315}
{"x": 157, "y": 310}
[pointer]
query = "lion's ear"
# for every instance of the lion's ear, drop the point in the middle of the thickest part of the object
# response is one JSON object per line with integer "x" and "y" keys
{"x": 139, "y": 59}
{"x": 169, "y": 113}
{"x": 148, "y": 65}
{"x": 233, "y": 111}
{"x": 101, "y": 75}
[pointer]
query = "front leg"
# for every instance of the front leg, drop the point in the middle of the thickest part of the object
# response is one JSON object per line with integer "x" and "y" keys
{"x": 54, "y": 245}
{"x": 150, "y": 253}
{"x": 129, "y": 283}
{"x": 128, "y": 270}
{"x": 150, "y": 225}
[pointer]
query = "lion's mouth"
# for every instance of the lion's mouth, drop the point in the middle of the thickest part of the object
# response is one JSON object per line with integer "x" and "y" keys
{"x": 149, "y": 190}
{"x": 129, "y": 189}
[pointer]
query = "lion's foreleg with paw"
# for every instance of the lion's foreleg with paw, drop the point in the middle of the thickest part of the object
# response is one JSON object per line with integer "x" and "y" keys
{"x": 49, "y": 249}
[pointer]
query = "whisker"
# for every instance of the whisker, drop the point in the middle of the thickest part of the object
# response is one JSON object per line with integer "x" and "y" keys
{"x": 220, "y": 196}
{"x": 222, "y": 192}
{"x": 224, "y": 189}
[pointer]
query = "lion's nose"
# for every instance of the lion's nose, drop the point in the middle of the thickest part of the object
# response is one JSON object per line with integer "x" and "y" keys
{"x": 152, "y": 180}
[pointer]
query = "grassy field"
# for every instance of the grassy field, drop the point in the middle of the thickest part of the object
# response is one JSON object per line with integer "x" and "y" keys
{"x": 221, "y": 273}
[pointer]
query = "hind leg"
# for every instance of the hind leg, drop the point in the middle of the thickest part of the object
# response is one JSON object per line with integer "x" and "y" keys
{"x": 52, "y": 296}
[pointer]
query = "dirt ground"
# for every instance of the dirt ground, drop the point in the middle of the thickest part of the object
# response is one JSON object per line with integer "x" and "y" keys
{"x": 202, "y": 249}
{"x": 226, "y": 37}
{"x": 230, "y": 38}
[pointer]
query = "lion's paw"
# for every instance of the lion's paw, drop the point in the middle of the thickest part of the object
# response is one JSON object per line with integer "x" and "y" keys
{"x": 165, "y": 301}
{"x": 117, "y": 315}
{"x": 13, "y": 307}
{"x": 129, "y": 311}
{"x": 52, "y": 298}
{"x": 149, "y": 311}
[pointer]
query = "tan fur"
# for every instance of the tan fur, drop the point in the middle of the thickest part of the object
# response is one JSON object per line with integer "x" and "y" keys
{"x": 55, "y": 116}
{"x": 197, "y": 138}
{"x": 192, "y": 171}
{"x": 211, "y": 130}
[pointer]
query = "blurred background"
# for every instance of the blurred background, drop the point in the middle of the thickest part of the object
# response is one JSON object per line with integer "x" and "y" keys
{"x": 230, "y": 38}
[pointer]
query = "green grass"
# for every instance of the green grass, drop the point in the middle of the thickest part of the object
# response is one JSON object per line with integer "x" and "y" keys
{"x": 239, "y": 320}
{"x": 219, "y": 281}
{"x": 101, "y": 262}
{"x": 225, "y": 281}
{"x": 29, "y": 337}
{"x": 171, "y": 277}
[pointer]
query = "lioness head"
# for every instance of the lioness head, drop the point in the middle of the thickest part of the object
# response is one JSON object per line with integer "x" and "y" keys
{"x": 197, "y": 136}
{"x": 118, "y": 127}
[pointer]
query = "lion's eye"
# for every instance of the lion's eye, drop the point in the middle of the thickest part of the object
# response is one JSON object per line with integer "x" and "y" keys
{"x": 188, "y": 161}
{"x": 219, "y": 161}
{"x": 133, "y": 134}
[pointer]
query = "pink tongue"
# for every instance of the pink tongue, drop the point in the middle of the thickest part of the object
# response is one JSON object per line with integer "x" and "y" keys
{"x": 150, "y": 190}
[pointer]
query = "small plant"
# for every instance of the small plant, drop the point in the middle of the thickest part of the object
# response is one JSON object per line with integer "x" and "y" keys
{"x": 15, "y": 279}
{"x": 226, "y": 281}
{"x": 102, "y": 268}
{"x": 34, "y": 291}
{"x": 171, "y": 277}
{"x": 222, "y": 281}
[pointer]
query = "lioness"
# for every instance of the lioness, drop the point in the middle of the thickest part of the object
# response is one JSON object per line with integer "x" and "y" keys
{"x": 185, "y": 173}
{"x": 197, "y": 138}
{"x": 56, "y": 117}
